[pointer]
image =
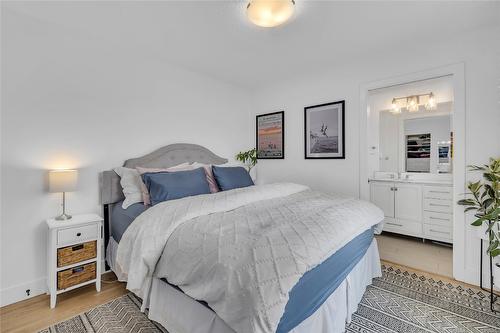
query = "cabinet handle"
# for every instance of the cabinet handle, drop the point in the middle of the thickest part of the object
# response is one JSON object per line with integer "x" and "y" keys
{"x": 444, "y": 192}
{"x": 399, "y": 225}
{"x": 78, "y": 269}
{"x": 439, "y": 232}
{"x": 77, "y": 247}
{"x": 438, "y": 205}
{"x": 438, "y": 218}
{"x": 78, "y": 234}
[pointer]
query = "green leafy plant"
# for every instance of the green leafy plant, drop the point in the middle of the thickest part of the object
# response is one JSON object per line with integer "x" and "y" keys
{"x": 249, "y": 158}
{"x": 484, "y": 199}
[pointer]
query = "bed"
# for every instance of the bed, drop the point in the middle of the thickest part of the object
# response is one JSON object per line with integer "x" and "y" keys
{"x": 268, "y": 258}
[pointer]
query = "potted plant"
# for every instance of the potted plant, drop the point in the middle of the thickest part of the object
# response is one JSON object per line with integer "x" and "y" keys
{"x": 484, "y": 200}
{"x": 248, "y": 158}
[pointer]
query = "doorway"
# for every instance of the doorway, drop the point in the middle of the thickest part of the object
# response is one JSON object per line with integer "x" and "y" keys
{"x": 412, "y": 165}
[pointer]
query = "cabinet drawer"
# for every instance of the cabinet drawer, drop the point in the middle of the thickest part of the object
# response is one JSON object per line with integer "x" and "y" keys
{"x": 438, "y": 192}
{"x": 436, "y": 205}
{"x": 76, "y": 253}
{"x": 75, "y": 235}
{"x": 438, "y": 233}
{"x": 403, "y": 227}
{"x": 73, "y": 276}
{"x": 435, "y": 218}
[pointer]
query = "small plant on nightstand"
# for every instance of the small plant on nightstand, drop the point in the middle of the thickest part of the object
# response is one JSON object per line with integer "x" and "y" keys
{"x": 248, "y": 158}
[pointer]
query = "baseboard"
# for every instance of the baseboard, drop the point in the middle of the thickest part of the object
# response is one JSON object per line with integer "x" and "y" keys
{"x": 18, "y": 293}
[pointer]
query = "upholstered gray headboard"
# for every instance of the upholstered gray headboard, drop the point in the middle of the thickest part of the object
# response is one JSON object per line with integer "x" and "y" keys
{"x": 165, "y": 157}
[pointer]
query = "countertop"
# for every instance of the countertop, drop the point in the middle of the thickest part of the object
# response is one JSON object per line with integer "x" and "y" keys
{"x": 413, "y": 181}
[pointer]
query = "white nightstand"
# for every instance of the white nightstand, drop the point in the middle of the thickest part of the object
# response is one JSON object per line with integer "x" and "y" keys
{"x": 73, "y": 254}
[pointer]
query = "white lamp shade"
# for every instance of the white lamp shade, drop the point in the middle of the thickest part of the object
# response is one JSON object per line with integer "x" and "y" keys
{"x": 62, "y": 180}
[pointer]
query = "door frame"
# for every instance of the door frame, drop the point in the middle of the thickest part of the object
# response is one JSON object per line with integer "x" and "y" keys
{"x": 457, "y": 74}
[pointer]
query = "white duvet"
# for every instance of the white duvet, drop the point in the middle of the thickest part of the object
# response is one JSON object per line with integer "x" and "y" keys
{"x": 241, "y": 251}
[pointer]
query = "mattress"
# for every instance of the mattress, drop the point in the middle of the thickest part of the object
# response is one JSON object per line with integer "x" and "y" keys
{"x": 316, "y": 286}
{"x": 122, "y": 218}
{"x": 178, "y": 312}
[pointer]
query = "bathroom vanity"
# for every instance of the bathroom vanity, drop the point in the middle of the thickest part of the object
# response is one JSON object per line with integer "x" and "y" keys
{"x": 410, "y": 160}
{"x": 415, "y": 207}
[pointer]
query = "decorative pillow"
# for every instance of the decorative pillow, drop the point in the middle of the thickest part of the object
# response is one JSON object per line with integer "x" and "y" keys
{"x": 163, "y": 186}
{"x": 141, "y": 170}
{"x": 210, "y": 176}
{"x": 229, "y": 178}
{"x": 130, "y": 180}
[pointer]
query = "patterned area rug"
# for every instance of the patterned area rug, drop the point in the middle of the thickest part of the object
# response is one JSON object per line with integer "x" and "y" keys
{"x": 399, "y": 301}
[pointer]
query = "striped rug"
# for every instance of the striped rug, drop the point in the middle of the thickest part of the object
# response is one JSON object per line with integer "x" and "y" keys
{"x": 399, "y": 301}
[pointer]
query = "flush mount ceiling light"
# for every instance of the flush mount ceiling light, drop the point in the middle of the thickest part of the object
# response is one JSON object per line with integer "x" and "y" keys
{"x": 270, "y": 13}
{"x": 412, "y": 103}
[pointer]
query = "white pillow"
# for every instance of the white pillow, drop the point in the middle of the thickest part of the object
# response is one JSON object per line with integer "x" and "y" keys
{"x": 131, "y": 185}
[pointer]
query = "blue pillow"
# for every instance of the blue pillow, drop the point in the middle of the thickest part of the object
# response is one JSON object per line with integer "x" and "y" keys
{"x": 163, "y": 186}
{"x": 229, "y": 178}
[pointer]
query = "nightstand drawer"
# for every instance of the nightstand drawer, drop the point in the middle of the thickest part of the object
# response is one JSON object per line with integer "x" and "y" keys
{"x": 76, "y": 253}
{"x": 73, "y": 276}
{"x": 74, "y": 235}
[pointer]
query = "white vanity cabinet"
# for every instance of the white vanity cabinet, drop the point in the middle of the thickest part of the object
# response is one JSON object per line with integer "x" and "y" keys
{"x": 382, "y": 195}
{"x": 415, "y": 209}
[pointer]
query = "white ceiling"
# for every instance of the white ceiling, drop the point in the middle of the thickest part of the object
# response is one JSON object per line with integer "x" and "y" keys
{"x": 214, "y": 37}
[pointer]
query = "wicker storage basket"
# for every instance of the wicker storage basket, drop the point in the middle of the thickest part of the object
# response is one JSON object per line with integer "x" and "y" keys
{"x": 76, "y": 275}
{"x": 76, "y": 253}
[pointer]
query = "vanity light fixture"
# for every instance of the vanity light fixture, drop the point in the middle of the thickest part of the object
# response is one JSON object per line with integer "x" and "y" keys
{"x": 270, "y": 13}
{"x": 412, "y": 103}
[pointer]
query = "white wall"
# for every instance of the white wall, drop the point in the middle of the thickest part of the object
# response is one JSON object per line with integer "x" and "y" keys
{"x": 72, "y": 101}
{"x": 479, "y": 50}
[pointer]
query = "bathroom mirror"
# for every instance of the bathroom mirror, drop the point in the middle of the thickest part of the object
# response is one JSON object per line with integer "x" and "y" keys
{"x": 416, "y": 142}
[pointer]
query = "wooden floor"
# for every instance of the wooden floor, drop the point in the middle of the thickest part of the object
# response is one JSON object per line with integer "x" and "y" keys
{"x": 412, "y": 252}
{"x": 35, "y": 314}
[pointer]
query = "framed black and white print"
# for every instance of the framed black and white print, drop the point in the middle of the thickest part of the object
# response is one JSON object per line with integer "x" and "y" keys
{"x": 270, "y": 135}
{"x": 324, "y": 131}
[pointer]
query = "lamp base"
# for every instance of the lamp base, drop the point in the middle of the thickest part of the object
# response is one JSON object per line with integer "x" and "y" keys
{"x": 63, "y": 217}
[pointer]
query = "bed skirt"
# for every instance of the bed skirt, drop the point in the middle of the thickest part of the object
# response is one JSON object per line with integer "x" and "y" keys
{"x": 179, "y": 313}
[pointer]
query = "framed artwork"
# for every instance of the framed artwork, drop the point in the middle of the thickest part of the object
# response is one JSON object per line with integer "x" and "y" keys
{"x": 270, "y": 134}
{"x": 324, "y": 131}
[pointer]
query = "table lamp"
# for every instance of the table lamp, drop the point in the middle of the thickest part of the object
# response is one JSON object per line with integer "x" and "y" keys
{"x": 63, "y": 181}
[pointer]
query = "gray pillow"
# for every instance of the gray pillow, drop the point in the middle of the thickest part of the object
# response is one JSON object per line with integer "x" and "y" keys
{"x": 163, "y": 186}
{"x": 229, "y": 178}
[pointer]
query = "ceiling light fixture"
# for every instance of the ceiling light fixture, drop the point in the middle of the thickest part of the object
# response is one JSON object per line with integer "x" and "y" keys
{"x": 270, "y": 13}
{"x": 412, "y": 103}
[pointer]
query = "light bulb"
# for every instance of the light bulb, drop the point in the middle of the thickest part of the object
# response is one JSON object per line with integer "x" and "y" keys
{"x": 431, "y": 103}
{"x": 395, "y": 108}
{"x": 412, "y": 104}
